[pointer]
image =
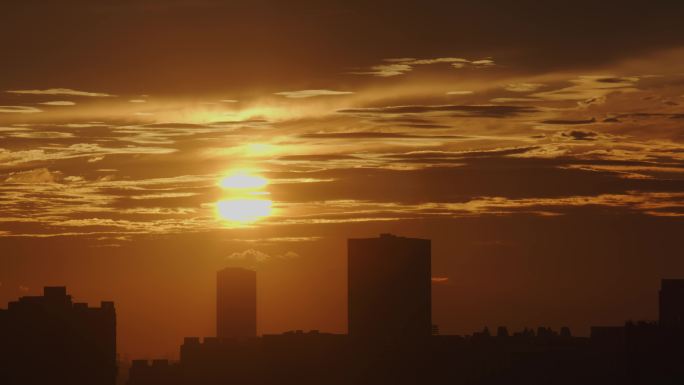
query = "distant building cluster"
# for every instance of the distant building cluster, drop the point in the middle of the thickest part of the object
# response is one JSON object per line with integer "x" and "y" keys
{"x": 48, "y": 339}
{"x": 391, "y": 339}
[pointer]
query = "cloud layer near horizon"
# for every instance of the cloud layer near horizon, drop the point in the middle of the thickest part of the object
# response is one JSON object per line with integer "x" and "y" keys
{"x": 375, "y": 155}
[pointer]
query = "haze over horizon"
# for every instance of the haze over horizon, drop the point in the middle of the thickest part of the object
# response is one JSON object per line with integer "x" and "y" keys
{"x": 144, "y": 145}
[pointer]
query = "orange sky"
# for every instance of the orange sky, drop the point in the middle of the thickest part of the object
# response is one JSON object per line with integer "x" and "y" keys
{"x": 541, "y": 149}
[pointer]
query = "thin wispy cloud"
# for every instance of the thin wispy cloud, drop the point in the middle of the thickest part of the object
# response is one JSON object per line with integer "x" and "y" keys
{"x": 60, "y": 91}
{"x": 72, "y": 151}
{"x": 523, "y": 87}
{"x": 590, "y": 89}
{"x": 19, "y": 110}
{"x": 58, "y": 103}
{"x": 39, "y": 175}
{"x": 257, "y": 256}
{"x": 311, "y": 93}
{"x": 465, "y": 110}
{"x": 400, "y": 66}
{"x": 42, "y": 135}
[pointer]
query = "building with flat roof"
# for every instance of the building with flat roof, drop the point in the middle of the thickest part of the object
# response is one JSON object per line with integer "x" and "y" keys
{"x": 389, "y": 284}
{"x": 49, "y": 339}
{"x": 671, "y": 298}
{"x": 236, "y": 312}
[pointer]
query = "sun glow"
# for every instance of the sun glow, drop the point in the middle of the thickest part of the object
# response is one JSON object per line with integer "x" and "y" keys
{"x": 243, "y": 203}
{"x": 260, "y": 149}
{"x": 216, "y": 112}
{"x": 244, "y": 210}
{"x": 243, "y": 180}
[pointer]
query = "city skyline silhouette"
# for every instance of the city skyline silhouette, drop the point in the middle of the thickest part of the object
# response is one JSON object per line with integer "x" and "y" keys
{"x": 389, "y": 341}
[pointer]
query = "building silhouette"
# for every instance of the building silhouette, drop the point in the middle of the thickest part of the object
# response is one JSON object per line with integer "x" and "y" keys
{"x": 236, "y": 312}
{"x": 389, "y": 283}
{"x": 392, "y": 340}
{"x": 49, "y": 339}
{"x": 671, "y": 301}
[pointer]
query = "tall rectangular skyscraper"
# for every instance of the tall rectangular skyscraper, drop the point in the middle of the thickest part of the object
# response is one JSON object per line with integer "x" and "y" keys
{"x": 236, "y": 303}
{"x": 671, "y": 301}
{"x": 389, "y": 283}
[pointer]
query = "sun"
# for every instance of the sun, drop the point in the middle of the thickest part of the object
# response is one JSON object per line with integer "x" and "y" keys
{"x": 242, "y": 201}
{"x": 245, "y": 210}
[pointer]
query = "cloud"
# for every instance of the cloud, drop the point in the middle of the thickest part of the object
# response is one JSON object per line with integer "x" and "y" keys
{"x": 19, "y": 109}
{"x": 647, "y": 115}
{"x": 103, "y": 205}
{"x": 317, "y": 157}
{"x": 590, "y": 89}
{"x": 386, "y": 70}
{"x": 569, "y": 122}
{"x": 488, "y": 111}
{"x": 374, "y": 135}
{"x": 88, "y": 150}
{"x": 95, "y": 159}
{"x": 256, "y": 256}
{"x": 249, "y": 254}
{"x": 38, "y": 175}
{"x": 74, "y": 179}
{"x": 431, "y": 156}
{"x": 654, "y": 204}
{"x": 288, "y": 255}
{"x": 469, "y": 177}
{"x": 13, "y": 129}
{"x": 410, "y": 121}
{"x": 401, "y": 66}
{"x": 580, "y": 135}
{"x": 60, "y": 91}
{"x": 165, "y": 195}
{"x": 614, "y": 80}
{"x": 42, "y": 135}
{"x": 311, "y": 93}
{"x": 137, "y": 101}
{"x": 514, "y": 100}
{"x": 482, "y": 63}
{"x": 58, "y": 103}
{"x": 464, "y": 92}
{"x": 523, "y": 87}
{"x": 174, "y": 125}
{"x": 487, "y": 162}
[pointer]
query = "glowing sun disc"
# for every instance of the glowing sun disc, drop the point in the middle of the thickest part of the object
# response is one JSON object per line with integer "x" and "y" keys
{"x": 243, "y": 210}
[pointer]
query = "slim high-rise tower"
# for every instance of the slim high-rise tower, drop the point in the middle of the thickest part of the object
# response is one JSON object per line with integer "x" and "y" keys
{"x": 671, "y": 298}
{"x": 389, "y": 283}
{"x": 236, "y": 303}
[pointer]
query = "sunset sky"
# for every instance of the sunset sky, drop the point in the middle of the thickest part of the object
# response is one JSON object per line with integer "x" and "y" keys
{"x": 146, "y": 144}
